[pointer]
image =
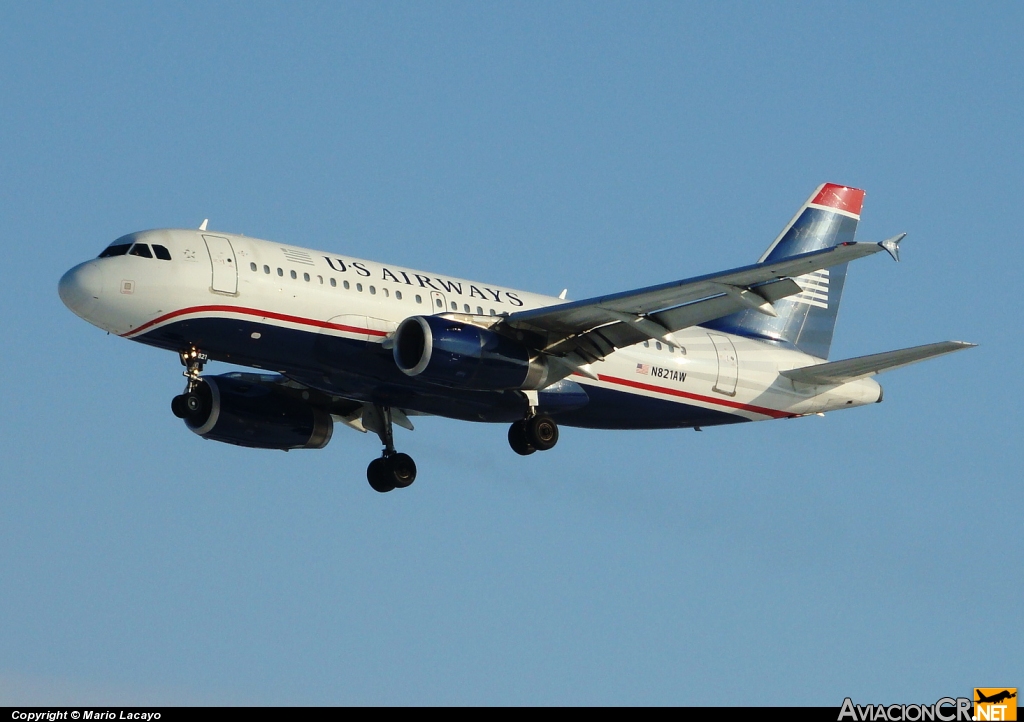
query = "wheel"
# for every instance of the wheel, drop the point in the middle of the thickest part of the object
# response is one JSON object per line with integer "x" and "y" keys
{"x": 178, "y": 406}
{"x": 400, "y": 470}
{"x": 541, "y": 432}
{"x": 517, "y": 439}
{"x": 377, "y": 476}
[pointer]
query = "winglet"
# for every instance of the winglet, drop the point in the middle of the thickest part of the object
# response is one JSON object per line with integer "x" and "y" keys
{"x": 892, "y": 246}
{"x": 202, "y": 226}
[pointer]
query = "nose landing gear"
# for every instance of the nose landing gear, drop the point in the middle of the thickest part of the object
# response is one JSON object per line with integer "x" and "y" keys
{"x": 393, "y": 470}
{"x": 192, "y": 402}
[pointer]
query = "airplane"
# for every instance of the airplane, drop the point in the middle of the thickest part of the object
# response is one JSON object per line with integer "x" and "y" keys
{"x": 335, "y": 339}
{"x": 996, "y": 698}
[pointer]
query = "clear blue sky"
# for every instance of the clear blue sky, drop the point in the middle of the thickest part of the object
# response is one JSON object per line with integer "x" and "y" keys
{"x": 873, "y": 553}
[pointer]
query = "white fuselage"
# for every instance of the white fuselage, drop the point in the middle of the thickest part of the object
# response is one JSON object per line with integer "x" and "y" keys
{"x": 250, "y": 283}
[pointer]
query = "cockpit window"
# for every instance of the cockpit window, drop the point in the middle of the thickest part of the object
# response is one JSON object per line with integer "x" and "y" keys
{"x": 117, "y": 250}
{"x": 161, "y": 252}
{"x": 140, "y": 249}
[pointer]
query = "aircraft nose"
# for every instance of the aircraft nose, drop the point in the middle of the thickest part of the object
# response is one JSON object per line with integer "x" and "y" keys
{"x": 81, "y": 287}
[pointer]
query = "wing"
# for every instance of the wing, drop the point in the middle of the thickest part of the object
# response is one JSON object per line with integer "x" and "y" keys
{"x": 581, "y": 332}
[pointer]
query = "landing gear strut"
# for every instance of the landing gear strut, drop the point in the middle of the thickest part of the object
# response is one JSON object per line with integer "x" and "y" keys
{"x": 393, "y": 470}
{"x": 192, "y": 402}
{"x": 535, "y": 433}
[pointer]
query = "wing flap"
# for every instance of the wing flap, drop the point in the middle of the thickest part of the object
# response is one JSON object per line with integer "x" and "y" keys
{"x": 840, "y": 372}
{"x": 600, "y": 341}
{"x": 694, "y": 314}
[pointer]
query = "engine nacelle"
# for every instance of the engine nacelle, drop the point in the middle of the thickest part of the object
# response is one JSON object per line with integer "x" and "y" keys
{"x": 258, "y": 415}
{"x": 452, "y": 353}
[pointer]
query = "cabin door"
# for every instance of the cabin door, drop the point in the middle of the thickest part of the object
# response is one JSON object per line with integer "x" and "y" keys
{"x": 222, "y": 260}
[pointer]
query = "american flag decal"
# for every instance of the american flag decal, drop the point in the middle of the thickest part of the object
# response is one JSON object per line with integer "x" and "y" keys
{"x": 643, "y": 369}
{"x": 296, "y": 256}
{"x": 815, "y": 289}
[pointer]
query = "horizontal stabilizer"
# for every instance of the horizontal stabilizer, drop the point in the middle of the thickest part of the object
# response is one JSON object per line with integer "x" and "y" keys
{"x": 840, "y": 372}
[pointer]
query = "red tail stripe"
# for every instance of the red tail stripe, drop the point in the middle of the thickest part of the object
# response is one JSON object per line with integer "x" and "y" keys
{"x": 763, "y": 410}
{"x": 842, "y": 198}
{"x": 256, "y": 312}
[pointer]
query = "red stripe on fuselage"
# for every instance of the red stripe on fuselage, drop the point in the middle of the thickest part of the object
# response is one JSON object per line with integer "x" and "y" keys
{"x": 255, "y": 312}
{"x": 763, "y": 410}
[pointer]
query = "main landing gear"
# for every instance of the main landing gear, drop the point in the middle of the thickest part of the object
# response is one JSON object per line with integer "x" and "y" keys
{"x": 393, "y": 470}
{"x": 193, "y": 401}
{"x": 535, "y": 433}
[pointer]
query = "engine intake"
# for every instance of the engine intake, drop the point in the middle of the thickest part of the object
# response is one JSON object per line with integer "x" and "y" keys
{"x": 456, "y": 354}
{"x": 258, "y": 415}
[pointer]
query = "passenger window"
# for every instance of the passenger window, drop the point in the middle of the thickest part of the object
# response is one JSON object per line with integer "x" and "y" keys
{"x": 280, "y": 272}
{"x": 321, "y": 279}
{"x": 266, "y": 269}
{"x": 305, "y": 277}
{"x": 647, "y": 344}
{"x": 373, "y": 290}
{"x": 419, "y": 298}
{"x": 492, "y": 312}
{"x": 479, "y": 311}
{"x": 252, "y": 266}
{"x": 294, "y": 274}
{"x": 439, "y": 305}
{"x": 359, "y": 287}
{"x": 161, "y": 252}
{"x": 465, "y": 308}
{"x": 119, "y": 250}
{"x": 334, "y": 283}
{"x": 398, "y": 295}
{"x": 141, "y": 250}
{"x": 455, "y": 306}
{"x": 386, "y": 294}
{"x": 347, "y": 286}
{"x": 657, "y": 345}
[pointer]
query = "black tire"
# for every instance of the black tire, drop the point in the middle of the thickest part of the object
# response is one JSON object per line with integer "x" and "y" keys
{"x": 377, "y": 476}
{"x": 542, "y": 432}
{"x": 517, "y": 439}
{"x": 178, "y": 406}
{"x": 400, "y": 470}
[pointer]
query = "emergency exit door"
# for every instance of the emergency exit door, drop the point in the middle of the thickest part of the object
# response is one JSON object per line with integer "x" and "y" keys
{"x": 728, "y": 365}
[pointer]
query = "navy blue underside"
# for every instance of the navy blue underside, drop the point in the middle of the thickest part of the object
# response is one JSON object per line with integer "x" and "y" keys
{"x": 614, "y": 409}
{"x": 364, "y": 371}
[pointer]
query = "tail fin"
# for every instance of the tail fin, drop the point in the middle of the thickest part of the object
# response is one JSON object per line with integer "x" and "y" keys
{"x": 806, "y": 320}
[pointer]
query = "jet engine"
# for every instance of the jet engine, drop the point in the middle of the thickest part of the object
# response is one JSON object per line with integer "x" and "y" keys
{"x": 238, "y": 409}
{"x": 456, "y": 354}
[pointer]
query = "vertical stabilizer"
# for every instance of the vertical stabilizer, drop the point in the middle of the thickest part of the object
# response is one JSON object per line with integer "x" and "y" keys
{"x": 806, "y": 320}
